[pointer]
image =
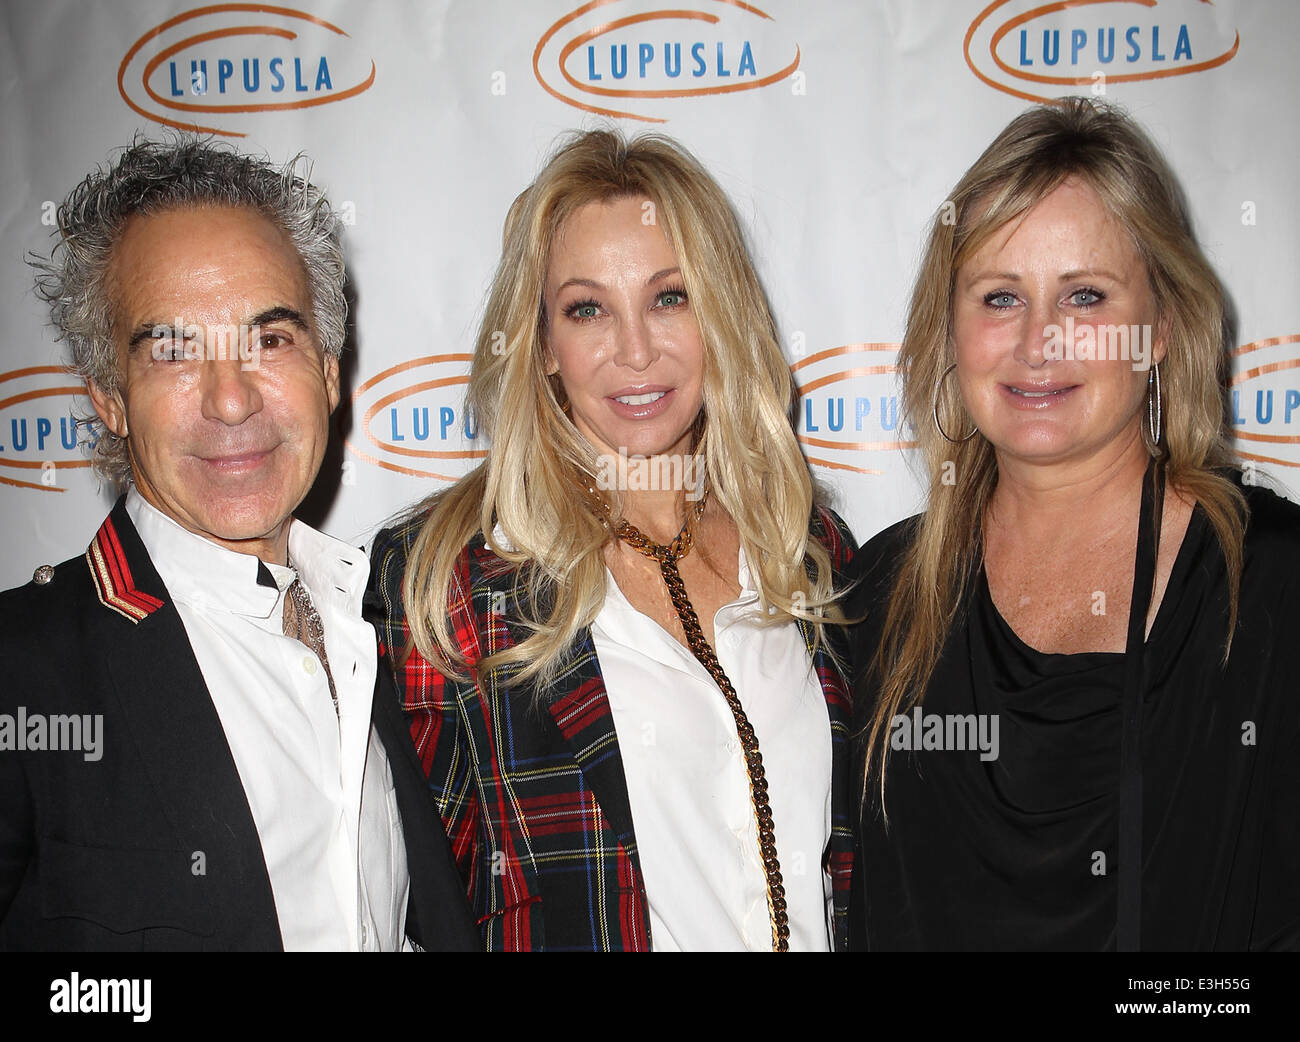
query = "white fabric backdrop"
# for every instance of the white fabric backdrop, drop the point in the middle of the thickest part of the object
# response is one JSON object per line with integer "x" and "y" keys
{"x": 854, "y": 121}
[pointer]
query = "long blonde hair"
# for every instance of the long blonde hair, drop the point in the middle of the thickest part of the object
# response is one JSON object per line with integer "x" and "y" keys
{"x": 531, "y": 483}
{"x": 1038, "y": 150}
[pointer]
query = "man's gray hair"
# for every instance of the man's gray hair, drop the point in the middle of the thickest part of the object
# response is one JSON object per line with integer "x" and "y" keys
{"x": 152, "y": 177}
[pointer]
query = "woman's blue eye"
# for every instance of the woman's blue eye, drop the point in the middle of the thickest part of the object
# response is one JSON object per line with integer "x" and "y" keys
{"x": 1000, "y": 300}
{"x": 583, "y": 310}
{"x": 1096, "y": 297}
{"x": 672, "y": 298}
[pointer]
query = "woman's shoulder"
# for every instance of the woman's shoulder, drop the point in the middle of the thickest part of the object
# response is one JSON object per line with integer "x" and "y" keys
{"x": 394, "y": 542}
{"x": 1273, "y": 528}
{"x": 873, "y": 567}
{"x": 880, "y": 553}
{"x": 393, "y": 546}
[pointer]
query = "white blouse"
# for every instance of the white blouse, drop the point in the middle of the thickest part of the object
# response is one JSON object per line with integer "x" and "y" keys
{"x": 687, "y": 785}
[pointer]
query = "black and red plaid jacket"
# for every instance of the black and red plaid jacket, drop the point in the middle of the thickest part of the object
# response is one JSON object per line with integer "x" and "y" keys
{"x": 531, "y": 790}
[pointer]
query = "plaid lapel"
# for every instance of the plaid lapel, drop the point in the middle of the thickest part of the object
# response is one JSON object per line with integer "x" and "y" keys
{"x": 570, "y": 832}
{"x": 586, "y": 722}
{"x": 827, "y": 660}
{"x": 839, "y": 858}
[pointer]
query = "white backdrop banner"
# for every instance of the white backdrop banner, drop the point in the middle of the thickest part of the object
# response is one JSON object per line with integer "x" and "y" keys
{"x": 837, "y": 129}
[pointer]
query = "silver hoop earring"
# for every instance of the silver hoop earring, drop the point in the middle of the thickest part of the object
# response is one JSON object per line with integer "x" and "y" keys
{"x": 938, "y": 390}
{"x": 1154, "y": 417}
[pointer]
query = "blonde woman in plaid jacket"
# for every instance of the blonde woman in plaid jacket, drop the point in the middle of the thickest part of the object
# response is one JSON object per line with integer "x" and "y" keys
{"x": 617, "y": 640}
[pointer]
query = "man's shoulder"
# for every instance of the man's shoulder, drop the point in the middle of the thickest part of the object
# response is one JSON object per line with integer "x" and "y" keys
{"x": 51, "y": 631}
{"x": 101, "y": 583}
{"x": 53, "y": 588}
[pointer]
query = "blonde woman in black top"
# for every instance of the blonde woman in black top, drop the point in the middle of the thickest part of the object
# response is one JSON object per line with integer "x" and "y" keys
{"x": 1077, "y": 674}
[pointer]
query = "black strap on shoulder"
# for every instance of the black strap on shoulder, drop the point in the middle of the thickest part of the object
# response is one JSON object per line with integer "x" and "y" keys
{"x": 1128, "y": 923}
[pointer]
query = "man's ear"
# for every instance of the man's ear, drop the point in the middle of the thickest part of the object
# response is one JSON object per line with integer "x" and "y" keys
{"x": 331, "y": 365}
{"x": 109, "y": 408}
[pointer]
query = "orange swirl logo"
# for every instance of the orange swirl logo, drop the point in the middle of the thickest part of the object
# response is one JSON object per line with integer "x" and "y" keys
{"x": 848, "y": 409}
{"x": 38, "y": 436}
{"x": 1040, "y": 52}
{"x": 1265, "y": 400}
{"x": 413, "y": 419}
{"x": 205, "y": 69}
{"x": 625, "y": 58}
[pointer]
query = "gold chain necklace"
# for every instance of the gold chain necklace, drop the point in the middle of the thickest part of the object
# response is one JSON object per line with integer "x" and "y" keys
{"x": 667, "y": 556}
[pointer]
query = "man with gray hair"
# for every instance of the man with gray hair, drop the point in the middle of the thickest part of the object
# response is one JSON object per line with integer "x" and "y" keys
{"x": 255, "y": 787}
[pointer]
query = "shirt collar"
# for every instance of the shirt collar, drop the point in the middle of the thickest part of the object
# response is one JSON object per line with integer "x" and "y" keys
{"x": 617, "y": 601}
{"x": 199, "y": 572}
{"x": 333, "y": 570}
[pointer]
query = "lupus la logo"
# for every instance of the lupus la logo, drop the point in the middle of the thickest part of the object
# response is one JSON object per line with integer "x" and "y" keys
{"x": 39, "y": 437}
{"x": 1264, "y": 393}
{"x": 413, "y": 418}
{"x": 628, "y": 58}
{"x": 847, "y": 408}
{"x": 1039, "y": 52}
{"x": 207, "y": 69}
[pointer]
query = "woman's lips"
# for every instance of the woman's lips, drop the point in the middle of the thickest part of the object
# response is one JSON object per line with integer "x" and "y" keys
{"x": 642, "y": 403}
{"x": 1036, "y": 396}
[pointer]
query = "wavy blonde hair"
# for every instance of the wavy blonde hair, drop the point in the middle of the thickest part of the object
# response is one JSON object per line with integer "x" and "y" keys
{"x": 531, "y": 484}
{"x": 1103, "y": 147}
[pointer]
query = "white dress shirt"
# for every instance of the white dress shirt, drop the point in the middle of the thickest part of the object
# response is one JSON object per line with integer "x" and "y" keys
{"x": 689, "y": 791}
{"x": 318, "y": 782}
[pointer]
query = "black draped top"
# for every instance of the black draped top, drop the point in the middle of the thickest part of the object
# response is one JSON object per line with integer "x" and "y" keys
{"x": 1002, "y": 794}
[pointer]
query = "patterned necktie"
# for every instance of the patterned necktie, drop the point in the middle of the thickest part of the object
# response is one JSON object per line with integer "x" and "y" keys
{"x": 302, "y": 622}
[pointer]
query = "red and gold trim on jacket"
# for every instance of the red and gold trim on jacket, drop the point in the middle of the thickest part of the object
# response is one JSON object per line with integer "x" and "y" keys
{"x": 113, "y": 583}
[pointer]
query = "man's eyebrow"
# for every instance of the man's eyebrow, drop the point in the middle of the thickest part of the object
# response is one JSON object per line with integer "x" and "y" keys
{"x": 280, "y": 314}
{"x": 148, "y": 331}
